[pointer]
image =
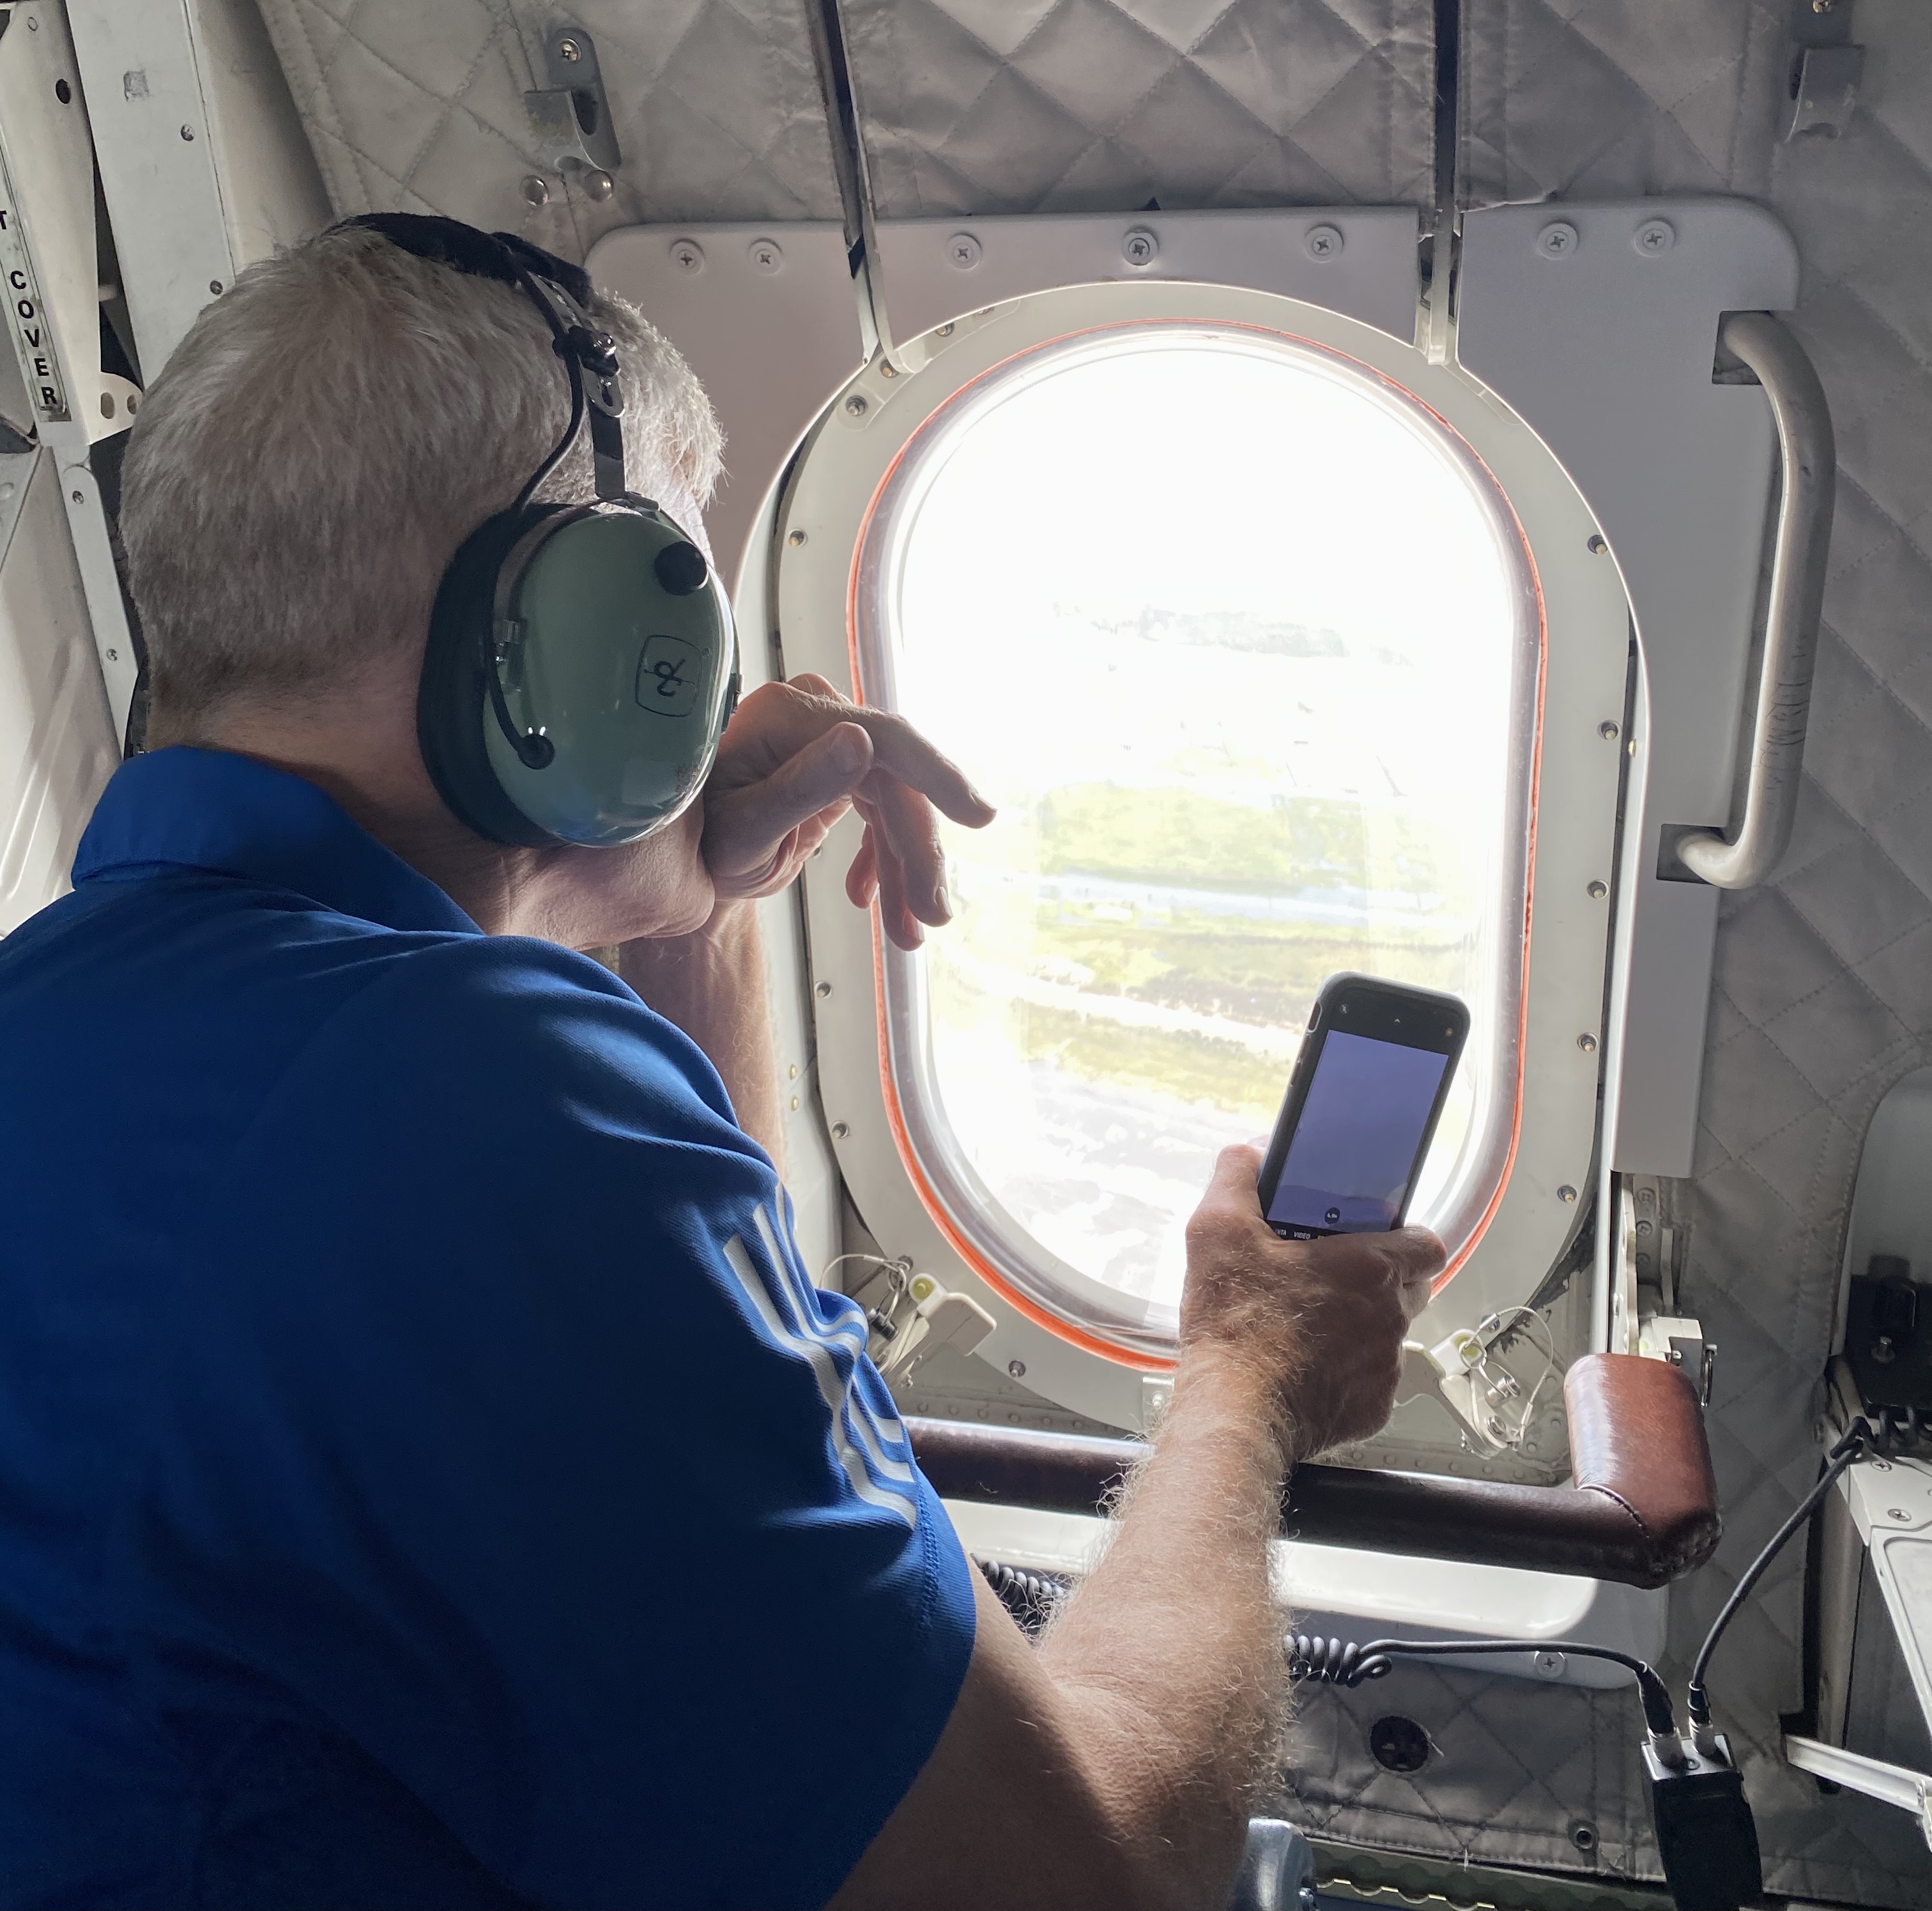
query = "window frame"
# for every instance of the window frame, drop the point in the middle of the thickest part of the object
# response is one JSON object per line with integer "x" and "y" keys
{"x": 1584, "y": 639}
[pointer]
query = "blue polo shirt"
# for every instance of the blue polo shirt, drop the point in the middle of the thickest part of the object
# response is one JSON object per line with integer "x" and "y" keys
{"x": 428, "y": 1476}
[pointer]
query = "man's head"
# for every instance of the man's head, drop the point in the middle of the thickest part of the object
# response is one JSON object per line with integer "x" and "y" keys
{"x": 327, "y": 434}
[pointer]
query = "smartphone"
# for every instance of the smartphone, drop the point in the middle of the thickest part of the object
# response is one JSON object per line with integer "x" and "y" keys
{"x": 1361, "y": 1107}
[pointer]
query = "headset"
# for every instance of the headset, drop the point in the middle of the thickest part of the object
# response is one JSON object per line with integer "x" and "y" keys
{"x": 582, "y": 663}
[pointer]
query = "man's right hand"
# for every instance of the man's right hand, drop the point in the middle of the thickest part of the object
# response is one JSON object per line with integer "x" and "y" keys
{"x": 1316, "y": 1325}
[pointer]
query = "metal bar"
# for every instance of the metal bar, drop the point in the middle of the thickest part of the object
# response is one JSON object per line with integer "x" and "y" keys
{"x": 1807, "y": 460}
{"x": 1891, "y": 1784}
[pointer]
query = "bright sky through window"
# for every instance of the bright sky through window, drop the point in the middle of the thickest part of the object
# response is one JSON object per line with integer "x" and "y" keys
{"x": 1226, "y": 629}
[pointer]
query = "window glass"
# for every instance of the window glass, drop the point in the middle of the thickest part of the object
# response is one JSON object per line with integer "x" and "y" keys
{"x": 1241, "y": 641}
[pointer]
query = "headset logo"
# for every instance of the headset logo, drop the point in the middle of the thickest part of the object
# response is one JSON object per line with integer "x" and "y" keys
{"x": 671, "y": 674}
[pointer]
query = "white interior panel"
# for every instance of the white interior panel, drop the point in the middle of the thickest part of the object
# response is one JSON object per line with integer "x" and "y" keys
{"x": 57, "y": 747}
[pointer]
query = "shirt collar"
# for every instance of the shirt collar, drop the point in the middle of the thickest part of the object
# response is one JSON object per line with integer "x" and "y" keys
{"x": 236, "y": 816}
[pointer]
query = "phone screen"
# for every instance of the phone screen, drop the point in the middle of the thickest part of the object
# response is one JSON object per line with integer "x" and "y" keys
{"x": 1366, "y": 1109}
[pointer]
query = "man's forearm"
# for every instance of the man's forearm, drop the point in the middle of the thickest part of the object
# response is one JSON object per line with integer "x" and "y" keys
{"x": 1169, "y": 1655}
{"x": 712, "y": 984}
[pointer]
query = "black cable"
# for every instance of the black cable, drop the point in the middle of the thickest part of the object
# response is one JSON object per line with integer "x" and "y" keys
{"x": 1353, "y": 1664}
{"x": 1852, "y": 1448}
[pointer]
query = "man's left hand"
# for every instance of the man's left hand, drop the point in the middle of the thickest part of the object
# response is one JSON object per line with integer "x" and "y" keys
{"x": 795, "y": 757}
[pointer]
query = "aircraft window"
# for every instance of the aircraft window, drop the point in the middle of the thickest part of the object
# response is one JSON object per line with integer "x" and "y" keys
{"x": 1240, "y": 638}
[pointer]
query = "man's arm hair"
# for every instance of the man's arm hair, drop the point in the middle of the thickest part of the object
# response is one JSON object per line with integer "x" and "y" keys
{"x": 1113, "y": 1767}
{"x": 711, "y": 984}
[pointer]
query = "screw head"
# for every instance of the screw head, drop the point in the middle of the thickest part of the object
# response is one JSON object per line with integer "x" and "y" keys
{"x": 598, "y": 186}
{"x": 687, "y": 255}
{"x": 214, "y": 286}
{"x": 823, "y": 989}
{"x": 79, "y": 497}
{"x": 962, "y": 249}
{"x": 1323, "y": 242}
{"x": 1598, "y": 891}
{"x": 946, "y": 330}
{"x": 1566, "y": 1194}
{"x": 114, "y": 656}
{"x": 796, "y": 538}
{"x": 767, "y": 257}
{"x": 187, "y": 132}
{"x": 1587, "y": 1043}
{"x": 855, "y": 406}
{"x": 568, "y": 49}
{"x": 1896, "y": 1512}
{"x": 1653, "y": 238}
{"x": 1559, "y": 239}
{"x": 839, "y": 1131}
{"x": 535, "y": 189}
{"x": 1597, "y": 546}
{"x": 1017, "y": 1368}
{"x": 1140, "y": 247}
{"x": 1550, "y": 1665}
{"x": 1607, "y": 731}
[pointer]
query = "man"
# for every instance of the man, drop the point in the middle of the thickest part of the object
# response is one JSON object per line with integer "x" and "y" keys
{"x": 428, "y": 1476}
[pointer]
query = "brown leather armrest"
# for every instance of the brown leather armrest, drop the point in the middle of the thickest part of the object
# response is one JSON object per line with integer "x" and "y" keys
{"x": 1642, "y": 1509}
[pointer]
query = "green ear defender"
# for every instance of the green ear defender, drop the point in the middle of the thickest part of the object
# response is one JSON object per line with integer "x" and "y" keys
{"x": 581, "y": 664}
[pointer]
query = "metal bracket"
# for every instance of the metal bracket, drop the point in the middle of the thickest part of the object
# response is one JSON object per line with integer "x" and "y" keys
{"x": 1825, "y": 69}
{"x": 572, "y": 115}
{"x": 1891, "y": 1784}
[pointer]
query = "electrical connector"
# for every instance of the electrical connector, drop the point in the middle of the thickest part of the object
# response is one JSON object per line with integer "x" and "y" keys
{"x": 1705, "y": 1834}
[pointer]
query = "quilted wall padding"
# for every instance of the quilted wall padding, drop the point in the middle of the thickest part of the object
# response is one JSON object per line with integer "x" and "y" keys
{"x": 1611, "y": 99}
{"x": 1822, "y": 994}
{"x": 417, "y": 106}
{"x": 1077, "y": 106}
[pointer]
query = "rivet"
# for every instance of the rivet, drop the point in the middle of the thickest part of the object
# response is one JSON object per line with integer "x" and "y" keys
{"x": 963, "y": 249}
{"x": 567, "y": 49}
{"x": 1140, "y": 247}
{"x": 1566, "y": 1193}
{"x": 796, "y": 538}
{"x": 1324, "y": 242}
{"x": 823, "y": 989}
{"x": 214, "y": 286}
{"x": 794, "y": 1102}
{"x": 1598, "y": 891}
{"x": 1558, "y": 240}
{"x": 78, "y": 497}
{"x": 687, "y": 255}
{"x": 946, "y": 330}
{"x": 1017, "y": 1368}
{"x": 1653, "y": 238}
{"x": 791, "y": 1073}
{"x": 187, "y": 132}
{"x": 885, "y": 370}
{"x": 839, "y": 1131}
{"x": 1587, "y": 1043}
{"x": 598, "y": 185}
{"x": 855, "y": 406}
{"x": 1607, "y": 730}
{"x": 536, "y": 190}
{"x": 766, "y": 255}
{"x": 1598, "y": 546}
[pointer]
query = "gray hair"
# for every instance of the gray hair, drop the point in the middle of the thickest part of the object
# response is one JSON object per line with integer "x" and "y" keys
{"x": 330, "y": 430}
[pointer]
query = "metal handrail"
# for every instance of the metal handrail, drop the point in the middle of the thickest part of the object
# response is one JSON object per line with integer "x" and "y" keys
{"x": 1808, "y": 461}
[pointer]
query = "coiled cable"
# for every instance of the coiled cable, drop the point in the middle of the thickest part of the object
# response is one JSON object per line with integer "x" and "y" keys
{"x": 1029, "y": 1598}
